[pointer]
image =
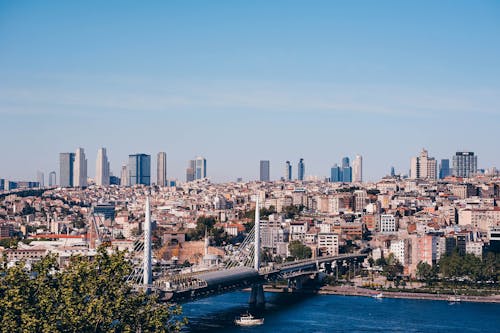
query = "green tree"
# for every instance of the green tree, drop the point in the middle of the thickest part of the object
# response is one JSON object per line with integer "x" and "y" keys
{"x": 426, "y": 272}
{"x": 299, "y": 250}
{"x": 87, "y": 296}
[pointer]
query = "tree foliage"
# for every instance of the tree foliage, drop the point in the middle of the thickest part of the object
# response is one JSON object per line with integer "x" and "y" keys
{"x": 426, "y": 272}
{"x": 87, "y": 296}
{"x": 470, "y": 267}
{"x": 299, "y": 250}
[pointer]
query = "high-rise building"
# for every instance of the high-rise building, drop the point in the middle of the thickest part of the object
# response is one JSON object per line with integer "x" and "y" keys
{"x": 139, "y": 169}
{"x": 335, "y": 174}
{"x": 161, "y": 169}
{"x": 347, "y": 174}
{"x": 393, "y": 172}
{"x": 200, "y": 170}
{"x": 52, "y": 179}
{"x": 40, "y": 178}
{"x": 80, "y": 169}
{"x": 444, "y": 168}
{"x": 423, "y": 167}
{"x": 357, "y": 169}
{"x": 190, "y": 171}
{"x": 464, "y": 164}
{"x": 288, "y": 171}
{"x": 301, "y": 169}
{"x": 124, "y": 176}
{"x": 345, "y": 162}
{"x": 66, "y": 168}
{"x": 2, "y": 184}
{"x": 102, "y": 168}
{"x": 264, "y": 171}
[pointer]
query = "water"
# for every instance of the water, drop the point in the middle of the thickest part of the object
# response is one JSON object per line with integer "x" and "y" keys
{"x": 332, "y": 313}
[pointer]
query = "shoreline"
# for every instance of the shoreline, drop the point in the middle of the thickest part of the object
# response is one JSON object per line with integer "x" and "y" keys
{"x": 359, "y": 291}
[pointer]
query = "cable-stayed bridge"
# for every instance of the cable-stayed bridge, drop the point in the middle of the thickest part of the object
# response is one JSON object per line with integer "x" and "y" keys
{"x": 243, "y": 269}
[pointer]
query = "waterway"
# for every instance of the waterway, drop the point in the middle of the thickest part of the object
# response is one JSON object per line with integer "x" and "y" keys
{"x": 333, "y": 313}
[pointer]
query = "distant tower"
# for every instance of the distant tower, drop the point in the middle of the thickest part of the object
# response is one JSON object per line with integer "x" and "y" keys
{"x": 357, "y": 172}
{"x": 264, "y": 171}
{"x": 190, "y": 171}
{"x": 102, "y": 168}
{"x": 301, "y": 168}
{"x": 335, "y": 174}
{"x": 393, "y": 172}
{"x": 66, "y": 168}
{"x": 52, "y": 179}
{"x": 200, "y": 171}
{"x": 80, "y": 169}
{"x": 464, "y": 164}
{"x": 288, "y": 171}
{"x": 124, "y": 176}
{"x": 444, "y": 168}
{"x": 346, "y": 170}
{"x": 423, "y": 167}
{"x": 40, "y": 178}
{"x": 139, "y": 169}
{"x": 161, "y": 169}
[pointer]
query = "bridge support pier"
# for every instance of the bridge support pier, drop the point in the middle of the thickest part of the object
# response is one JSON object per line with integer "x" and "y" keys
{"x": 257, "y": 297}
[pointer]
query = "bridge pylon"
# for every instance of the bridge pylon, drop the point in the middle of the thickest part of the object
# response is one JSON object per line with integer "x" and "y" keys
{"x": 256, "y": 262}
{"x": 148, "y": 275}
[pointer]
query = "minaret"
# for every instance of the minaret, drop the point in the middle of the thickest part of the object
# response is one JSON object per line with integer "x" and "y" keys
{"x": 257, "y": 235}
{"x": 207, "y": 243}
{"x": 148, "y": 276}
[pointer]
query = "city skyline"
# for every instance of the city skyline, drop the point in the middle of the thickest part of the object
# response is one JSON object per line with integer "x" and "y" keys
{"x": 341, "y": 78}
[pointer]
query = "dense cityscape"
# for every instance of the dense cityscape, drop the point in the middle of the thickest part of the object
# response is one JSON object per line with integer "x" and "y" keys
{"x": 226, "y": 166}
{"x": 420, "y": 218}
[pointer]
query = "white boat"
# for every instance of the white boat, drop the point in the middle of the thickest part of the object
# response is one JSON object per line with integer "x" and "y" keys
{"x": 380, "y": 295}
{"x": 248, "y": 320}
{"x": 454, "y": 299}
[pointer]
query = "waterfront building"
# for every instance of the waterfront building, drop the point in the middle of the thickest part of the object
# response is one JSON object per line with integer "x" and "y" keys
{"x": 161, "y": 169}
{"x": 301, "y": 168}
{"x": 80, "y": 169}
{"x": 102, "y": 168}
{"x": 66, "y": 163}
{"x": 139, "y": 169}
{"x": 264, "y": 171}
{"x": 464, "y": 164}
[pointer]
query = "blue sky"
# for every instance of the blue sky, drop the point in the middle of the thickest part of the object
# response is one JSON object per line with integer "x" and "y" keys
{"x": 239, "y": 81}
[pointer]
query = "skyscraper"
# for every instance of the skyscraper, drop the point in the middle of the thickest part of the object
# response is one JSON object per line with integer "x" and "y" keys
{"x": 124, "y": 176}
{"x": 80, "y": 169}
{"x": 357, "y": 172}
{"x": 190, "y": 171}
{"x": 52, "y": 179}
{"x": 393, "y": 172}
{"x": 161, "y": 169}
{"x": 301, "y": 168}
{"x": 335, "y": 174}
{"x": 102, "y": 168}
{"x": 444, "y": 168}
{"x": 40, "y": 178}
{"x": 66, "y": 163}
{"x": 264, "y": 171}
{"x": 139, "y": 169}
{"x": 345, "y": 162}
{"x": 288, "y": 171}
{"x": 200, "y": 170}
{"x": 423, "y": 167}
{"x": 346, "y": 170}
{"x": 464, "y": 164}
